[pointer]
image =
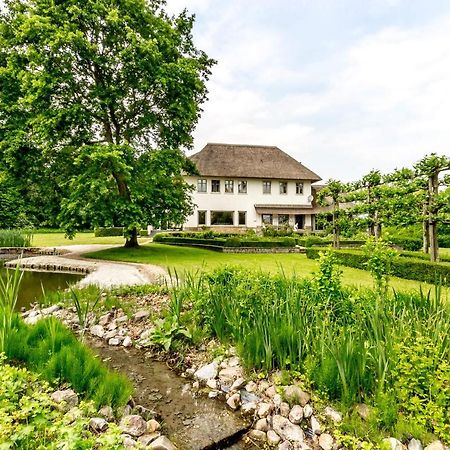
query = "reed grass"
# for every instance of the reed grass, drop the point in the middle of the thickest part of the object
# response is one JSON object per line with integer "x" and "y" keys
{"x": 15, "y": 238}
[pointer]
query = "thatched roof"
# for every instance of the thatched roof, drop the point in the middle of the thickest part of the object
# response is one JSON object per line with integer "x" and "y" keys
{"x": 250, "y": 161}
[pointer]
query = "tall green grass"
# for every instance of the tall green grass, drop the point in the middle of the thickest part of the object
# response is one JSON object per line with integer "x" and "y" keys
{"x": 347, "y": 342}
{"x": 15, "y": 238}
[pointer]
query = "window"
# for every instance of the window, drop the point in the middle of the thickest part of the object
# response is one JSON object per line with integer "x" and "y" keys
{"x": 267, "y": 218}
{"x": 215, "y": 186}
{"x": 267, "y": 187}
{"x": 299, "y": 188}
{"x": 202, "y": 186}
{"x": 202, "y": 217}
{"x": 242, "y": 217}
{"x": 229, "y": 186}
{"x": 222, "y": 217}
{"x": 242, "y": 187}
{"x": 283, "y": 187}
{"x": 283, "y": 219}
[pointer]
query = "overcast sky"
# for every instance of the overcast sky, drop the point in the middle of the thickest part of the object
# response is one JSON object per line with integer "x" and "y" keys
{"x": 344, "y": 86}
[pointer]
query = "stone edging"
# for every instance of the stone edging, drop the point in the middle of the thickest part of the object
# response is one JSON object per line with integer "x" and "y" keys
{"x": 32, "y": 251}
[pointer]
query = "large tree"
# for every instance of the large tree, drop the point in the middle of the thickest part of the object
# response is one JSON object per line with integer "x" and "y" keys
{"x": 107, "y": 93}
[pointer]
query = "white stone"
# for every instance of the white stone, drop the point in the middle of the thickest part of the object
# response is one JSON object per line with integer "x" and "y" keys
{"x": 212, "y": 383}
{"x": 50, "y": 310}
{"x": 97, "y": 330}
{"x": 251, "y": 386}
{"x": 66, "y": 399}
{"x": 285, "y": 409}
{"x": 262, "y": 425}
{"x": 32, "y": 320}
{"x": 230, "y": 374}
{"x": 162, "y": 443}
{"x": 152, "y": 426}
{"x": 238, "y": 384}
{"x": 285, "y": 445}
{"x": 264, "y": 409}
{"x": 234, "y": 401}
{"x": 415, "y": 444}
{"x": 207, "y": 372}
{"x": 133, "y": 424}
{"x": 273, "y": 438}
{"x": 293, "y": 394}
{"x": 127, "y": 342}
{"x": 394, "y": 444}
{"x": 113, "y": 342}
{"x": 436, "y": 445}
{"x": 315, "y": 425}
{"x": 335, "y": 416}
{"x": 98, "y": 424}
{"x": 326, "y": 441}
{"x": 277, "y": 400}
{"x": 296, "y": 414}
{"x": 287, "y": 430}
{"x": 307, "y": 411}
{"x": 257, "y": 435}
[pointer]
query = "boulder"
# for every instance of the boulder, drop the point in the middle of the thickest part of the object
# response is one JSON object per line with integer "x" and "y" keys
{"x": 415, "y": 444}
{"x": 307, "y": 411}
{"x": 264, "y": 409}
{"x": 107, "y": 413}
{"x": 65, "y": 399}
{"x": 134, "y": 425}
{"x": 293, "y": 394}
{"x": 152, "y": 426}
{"x": 262, "y": 425}
{"x": 97, "y": 330}
{"x": 393, "y": 443}
{"x": 162, "y": 443}
{"x": 315, "y": 425}
{"x": 234, "y": 401}
{"x": 127, "y": 342}
{"x": 273, "y": 438}
{"x": 256, "y": 435}
{"x": 436, "y": 445}
{"x": 296, "y": 414}
{"x": 285, "y": 409}
{"x": 146, "y": 439}
{"x": 207, "y": 372}
{"x": 326, "y": 441}
{"x": 335, "y": 416}
{"x": 98, "y": 424}
{"x": 287, "y": 430}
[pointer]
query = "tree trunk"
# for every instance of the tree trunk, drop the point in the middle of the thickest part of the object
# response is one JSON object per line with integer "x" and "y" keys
{"x": 336, "y": 230}
{"x": 433, "y": 186}
{"x": 132, "y": 239}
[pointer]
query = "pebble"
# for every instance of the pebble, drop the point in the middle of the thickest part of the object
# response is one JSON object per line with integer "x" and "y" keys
{"x": 294, "y": 394}
{"x": 238, "y": 384}
{"x": 234, "y": 401}
{"x": 257, "y": 435}
{"x": 152, "y": 426}
{"x": 264, "y": 409}
{"x": 284, "y": 409}
{"x": 134, "y": 425}
{"x": 107, "y": 413}
{"x": 141, "y": 315}
{"x": 307, "y": 411}
{"x": 114, "y": 342}
{"x": 248, "y": 409}
{"x": 207, "y": 372}
{"x": 436, "y": 445}
{"x": 65, "y": 399}
{"x": 147, "y": 439}
{"x": 251, "y": 386}
{"x": 394, "y": 444}
{"x": 212, "y": 383}
{"x": 97, "y": 330}
{"x": 315, "y": 425}
{"x": 415, "y": 444}
{"x": 127, "y": 342}
{"x": 273, "y": 438}
{"x": 287, "y": 430}
{"x": 326, "y": 441}
{"x": 163, "y": 443}
{"x": 296, "y": 414}
{"x": 98, "y": 424}
{"x": 335, "y": 416}
{"x": 262, "y": 425}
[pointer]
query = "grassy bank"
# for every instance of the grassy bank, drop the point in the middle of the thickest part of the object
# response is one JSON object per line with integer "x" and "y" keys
{"x": 59, "y": 239}
{"x": 191, "y": 259}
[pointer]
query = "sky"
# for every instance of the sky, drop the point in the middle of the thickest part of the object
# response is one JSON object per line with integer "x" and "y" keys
{"x": 344, "y": 86}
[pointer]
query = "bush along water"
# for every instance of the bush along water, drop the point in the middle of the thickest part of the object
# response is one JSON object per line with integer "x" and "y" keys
{"x": 387, "y": 351}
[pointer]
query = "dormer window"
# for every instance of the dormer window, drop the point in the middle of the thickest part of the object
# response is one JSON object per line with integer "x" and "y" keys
{"x": 267, "y": 187}
{"x": 242, "y": 187}
{"x": 283, "y": 187}
{"x": 299, "y": 188}
{"x": 229, "y": 186}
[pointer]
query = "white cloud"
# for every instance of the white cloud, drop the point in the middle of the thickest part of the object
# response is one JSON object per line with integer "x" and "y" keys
{"x": 382, "y": 102}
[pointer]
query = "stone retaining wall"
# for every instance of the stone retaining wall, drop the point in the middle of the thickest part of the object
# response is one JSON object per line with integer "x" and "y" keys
{"x": 31, "y": 251}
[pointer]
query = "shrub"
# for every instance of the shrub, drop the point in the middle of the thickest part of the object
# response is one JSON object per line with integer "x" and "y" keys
{"x": 15, "y": 238}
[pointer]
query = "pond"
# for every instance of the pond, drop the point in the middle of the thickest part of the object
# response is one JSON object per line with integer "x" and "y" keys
{"x": 34, "y": 283}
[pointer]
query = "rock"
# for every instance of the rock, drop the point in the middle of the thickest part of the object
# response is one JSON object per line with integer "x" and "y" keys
{"x": 286, "y": 445}
{"x": 207, "y": 372}
{"x": 415, "y": 444}
{"x": 277, "y": 400}
{"x": 293, "y": 394}
{"x": 315, "y": 425}
{"x": 66, "y": 399}
{"x": 273, "y": 438}
{"x": 335, "y": 416}
{"x": 133, "y": 425}
{"x": 127, "y": 342}
{"x": 394, "y": 444}
{"x": 285, "y": 409}
{"x": 32, "y": 320}
{"x": 146, "y": 439}
{"x": 107, "y": 413}
{"x": 50, "y": 310}
{"x": 104, "y": 320}
{"x": 238, "y": 384}
{"x": 146, "y": 334}
{"x": 307, "y": 411}
{"x": 97, "y": 330}
{"x": 264, "y": 409}
{"x": 213, "y": 394}
{"x": 248, "y": 409}
{"x": 436, "y": 445}
{"x": 363, "y": 411}
{"x": 162, "y": 443}
{"x": 109, "y": 335}
{"x": 152, "y": 426}
{"x": 262, "y": 425}
{"x": 122, "y": 319}
{"x": 248, "y": 396}
{"x": 98, "y": 424}
{"x": 114, "y": 342}
{"x": 326, "y": 441}
{"x": 296, "y": 414}
{"x": 251, "y": 386}
{"x": 234, "y": 361}
{"x": 287, "y": 430}
{"x": 234, "y": 401}
{"x": 141, "y": 315}
{"x": 73, "y": 414}
{"x": 257, "y": 435}
{"x": 145, "y": 413}
{"x": 212, "y": 384}
{"x": 263, "y": 386}
{"x": 270, "y": 391}
{"x": 229, "y": 374}
{"x": 128, "y": 442}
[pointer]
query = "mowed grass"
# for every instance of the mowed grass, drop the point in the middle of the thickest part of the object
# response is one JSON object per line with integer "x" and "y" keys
{"x": 58, "y": 239}
{"x": 187, "y": 259}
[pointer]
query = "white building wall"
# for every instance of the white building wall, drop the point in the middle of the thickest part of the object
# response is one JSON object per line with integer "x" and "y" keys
{"x": 221, "y": 201}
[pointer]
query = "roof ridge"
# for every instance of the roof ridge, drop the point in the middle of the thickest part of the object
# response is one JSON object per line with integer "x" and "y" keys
{"x": 243, "y": 145}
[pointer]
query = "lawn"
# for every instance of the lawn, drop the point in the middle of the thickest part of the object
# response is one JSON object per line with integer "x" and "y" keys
{"x": 58, "y": 239}
{"x": 184, "y": 259}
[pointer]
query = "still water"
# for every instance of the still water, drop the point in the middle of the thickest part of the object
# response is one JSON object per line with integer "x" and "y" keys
{"x": 34, "y": 283}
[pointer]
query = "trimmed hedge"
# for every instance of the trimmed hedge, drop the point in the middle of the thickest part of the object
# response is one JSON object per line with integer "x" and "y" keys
{"x": 408, "y": 268}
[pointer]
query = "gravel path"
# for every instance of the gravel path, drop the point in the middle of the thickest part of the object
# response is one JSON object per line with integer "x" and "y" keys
{"x": 104, "y": 274}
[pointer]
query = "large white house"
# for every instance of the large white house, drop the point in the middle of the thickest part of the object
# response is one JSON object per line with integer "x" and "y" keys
{"x": 248, "y": 186}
